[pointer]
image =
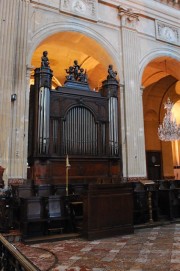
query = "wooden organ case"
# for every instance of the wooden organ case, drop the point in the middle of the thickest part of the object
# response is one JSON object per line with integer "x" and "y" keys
{"x": 77, "y": 121}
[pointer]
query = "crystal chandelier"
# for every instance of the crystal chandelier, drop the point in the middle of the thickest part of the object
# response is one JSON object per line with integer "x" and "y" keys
{"x": 169, "y": 130}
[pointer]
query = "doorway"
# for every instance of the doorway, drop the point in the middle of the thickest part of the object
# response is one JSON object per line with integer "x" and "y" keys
{"x": 154, "y": 167}
{"x": 160, "y": 81}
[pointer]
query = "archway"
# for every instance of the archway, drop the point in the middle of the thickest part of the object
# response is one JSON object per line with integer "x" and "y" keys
{"x": 48, "y": 149}
{"x": 64, "y": 47}
{"x": 160, "y": 80}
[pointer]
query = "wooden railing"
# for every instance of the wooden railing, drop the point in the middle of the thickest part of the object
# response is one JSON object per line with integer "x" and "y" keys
{"x": 12, "y": 259}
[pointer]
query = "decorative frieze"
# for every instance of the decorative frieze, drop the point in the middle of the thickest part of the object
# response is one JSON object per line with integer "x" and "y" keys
{"x": 167, "y": 33}
{"x": 83, "y": 8}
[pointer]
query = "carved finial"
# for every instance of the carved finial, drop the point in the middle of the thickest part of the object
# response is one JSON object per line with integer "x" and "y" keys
{"x": 70, "y": 73}
{"x": 76, "y": 69}
{"x": 111, "y": 74}
{"x": 44, "y": 59}
{"x": 82, "y": 76}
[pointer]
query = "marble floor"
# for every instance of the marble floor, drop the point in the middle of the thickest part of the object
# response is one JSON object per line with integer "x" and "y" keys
{"x": 148, "y": 249}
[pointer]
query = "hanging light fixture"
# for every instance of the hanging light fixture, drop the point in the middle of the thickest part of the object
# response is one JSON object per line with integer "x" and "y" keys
{"x": 169, "y": 130}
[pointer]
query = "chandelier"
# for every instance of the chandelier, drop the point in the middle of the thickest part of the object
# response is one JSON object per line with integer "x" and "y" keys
{"x": 169, "y": 130}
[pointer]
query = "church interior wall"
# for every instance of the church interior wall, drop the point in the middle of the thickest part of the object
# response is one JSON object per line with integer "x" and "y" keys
{"x": 64, "y": 22}
{"x": 109, "y": 27}
{"x": 43, "y": 18}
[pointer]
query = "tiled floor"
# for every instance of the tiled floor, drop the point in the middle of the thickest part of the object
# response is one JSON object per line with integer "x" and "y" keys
{"x": 150, "y": 249}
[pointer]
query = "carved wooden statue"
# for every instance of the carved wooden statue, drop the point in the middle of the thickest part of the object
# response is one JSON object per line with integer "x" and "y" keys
{"x": 111, "y": 74}
{"x": 76, "y": 73}
{"x": 44, "y": 60}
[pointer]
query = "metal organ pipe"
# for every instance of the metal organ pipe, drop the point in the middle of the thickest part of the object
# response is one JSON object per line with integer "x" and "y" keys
{"x": 55, "y": 135}
{"x": 80, "y": 130}
{"x": 43, "y": 120}
{"x": 113, "y": 126}
{"x": 89, "y": 132}
{"x": 110, "y": 127}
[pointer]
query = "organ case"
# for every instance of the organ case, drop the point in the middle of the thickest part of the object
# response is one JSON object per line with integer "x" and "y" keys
{"x": 77, "y": 121}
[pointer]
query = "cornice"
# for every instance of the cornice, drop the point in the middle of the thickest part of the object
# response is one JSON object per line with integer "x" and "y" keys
{"x": 172, "y": 3}
{"x": 149, "y": 8}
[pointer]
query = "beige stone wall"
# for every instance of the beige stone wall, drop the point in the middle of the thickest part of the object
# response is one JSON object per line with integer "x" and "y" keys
{"x": 13, "y": 115}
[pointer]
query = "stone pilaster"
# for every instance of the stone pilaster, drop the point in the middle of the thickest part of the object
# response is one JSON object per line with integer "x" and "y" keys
{"x": 123, "y": 130}
{"x": 133, "y": 138}
{"x": 14, "y": 29}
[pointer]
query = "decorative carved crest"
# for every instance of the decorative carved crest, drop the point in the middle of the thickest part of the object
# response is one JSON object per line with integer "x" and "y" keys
{"x": 83, "y": 8}
{"x": 168, "y": 33}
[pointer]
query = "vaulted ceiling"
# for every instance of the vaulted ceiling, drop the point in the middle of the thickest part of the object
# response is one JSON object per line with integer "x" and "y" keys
{"x": 161, "y": 80}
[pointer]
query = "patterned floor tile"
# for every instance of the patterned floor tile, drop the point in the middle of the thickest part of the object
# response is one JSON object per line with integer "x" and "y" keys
{"x": 150, "y": 249}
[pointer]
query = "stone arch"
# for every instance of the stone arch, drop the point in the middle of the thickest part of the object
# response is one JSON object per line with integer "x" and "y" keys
{"x": 158, "y": 76}
{"x": 54, "y": 28}
{"x": 156, "y": 53}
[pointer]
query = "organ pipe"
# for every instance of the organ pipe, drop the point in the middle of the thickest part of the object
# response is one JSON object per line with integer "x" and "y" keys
{"x": 43, "y": 120}
{"x": 80, "y": 132}
{"x": 43, "y": 78}
{"x": 113, "y": 126}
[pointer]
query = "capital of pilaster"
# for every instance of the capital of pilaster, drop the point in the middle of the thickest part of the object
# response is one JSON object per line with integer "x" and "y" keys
{"x": 129, "y": 18}
{"x": 29, "y": 70}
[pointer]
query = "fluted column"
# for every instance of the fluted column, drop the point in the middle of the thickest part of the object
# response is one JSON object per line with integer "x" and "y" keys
{"x": 14, "y": 29}
{"x": 134, "y": 157}
{"x": 123, "y": 131}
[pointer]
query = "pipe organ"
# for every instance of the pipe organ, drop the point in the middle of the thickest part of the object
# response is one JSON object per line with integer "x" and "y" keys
{"x": 77, "y": 121}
